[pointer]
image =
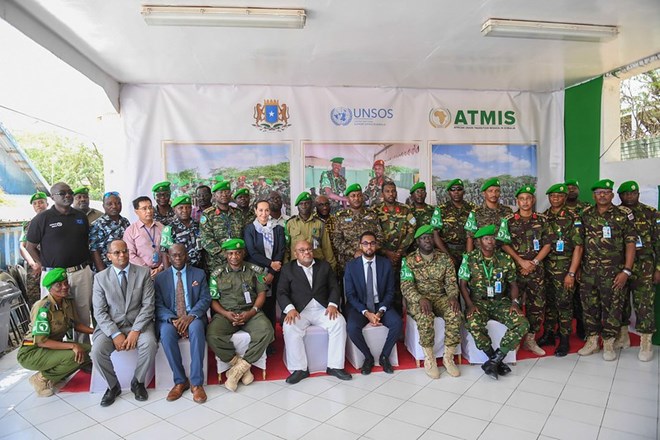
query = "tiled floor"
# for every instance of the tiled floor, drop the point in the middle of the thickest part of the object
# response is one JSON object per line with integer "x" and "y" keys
{"x": 569, "y": 398}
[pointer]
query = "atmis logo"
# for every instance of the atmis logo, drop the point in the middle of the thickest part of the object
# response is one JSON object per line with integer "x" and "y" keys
{"x": 271, "y": 115}
{"x": 442, "y": 118}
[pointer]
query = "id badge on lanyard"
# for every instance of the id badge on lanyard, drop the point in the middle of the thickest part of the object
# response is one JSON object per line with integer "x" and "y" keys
{"x": 638, "y": 243}
{"x": 537, "y": 245}
{"x": 607, "y": 231}
{"x": 246, "y": 294}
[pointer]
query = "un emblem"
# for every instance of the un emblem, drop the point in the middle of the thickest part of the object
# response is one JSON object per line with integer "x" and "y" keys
{"x": 341, "y": 116}
{"x": 440, "y": 117}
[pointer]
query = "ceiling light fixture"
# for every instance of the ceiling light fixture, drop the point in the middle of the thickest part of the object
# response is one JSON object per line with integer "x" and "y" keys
{"x": 224, "y": 16}
{"x": 547, "y": 30}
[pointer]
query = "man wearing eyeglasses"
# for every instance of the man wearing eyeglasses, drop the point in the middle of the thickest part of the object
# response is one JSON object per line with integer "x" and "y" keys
{"x": 143, "y": 237}
{"x": 110, "y": 226}
{"x": 81, "y": 203}
{"x": 59, "y": 237}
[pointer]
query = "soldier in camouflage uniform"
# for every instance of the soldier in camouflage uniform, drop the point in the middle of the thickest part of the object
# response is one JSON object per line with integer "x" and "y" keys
{"x": 310, "y": 228}
{"x": 39, "y": 202}
{"x": 487, "y": 279}
{"x": 184, "y": 230}
{"x": 525, "y": 239}
{"x": 609, "y": 237}
{"x": 243, "y": 208}
{"x": 219, "y": 223}
{"x": 428, "y": 282}
{"x": 420, "y": 209}
{"x": 332, "y": 185}
{"x": 106, "y": 229}
{"x": 163, "y": 211}
{"x": 490, "y": 213}
{"x": 373, "y": 193}
{"x": 562, "y": 263}
{"x": 451, "y": 236}
{"x": 645, "y": 272}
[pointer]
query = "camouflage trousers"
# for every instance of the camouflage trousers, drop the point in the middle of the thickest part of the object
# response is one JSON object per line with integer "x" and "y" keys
{"x": 558, "y": 300}
{"x": 499, "y": 310}
{"x": 32, "y": 286}
{"x": 601, "y": 304}
{"x": 425, "y": 323}
{"x": 532, "y": 291}
{"x": 640, "y": 287}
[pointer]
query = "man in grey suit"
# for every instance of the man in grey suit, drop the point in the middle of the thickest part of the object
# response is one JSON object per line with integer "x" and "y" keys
{"x": 123, "y": 299}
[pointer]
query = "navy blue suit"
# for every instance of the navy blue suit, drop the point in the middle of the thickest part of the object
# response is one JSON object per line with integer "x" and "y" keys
{"x": 199, "y": 300}
{"x": 355, "y": 288}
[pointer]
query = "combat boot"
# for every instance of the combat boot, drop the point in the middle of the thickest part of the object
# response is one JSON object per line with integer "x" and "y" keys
{"x": 623, "y": 339}
{"x": 490, "y": 367}
{"x": 548, "y": 338}
{"x": 248, "y": 377}
{"x": 645, "y": 348}
{"x": 235, "y": 373}
{"x": 563, "y": 347}
{"x": 448, "y": 362}
{"x": 530, "y": 344}
{"x": 608, "y": 349}
{"x": 42, "y": 386}
{"x": 590, "y": 347}
{"x": 430, "y": 364}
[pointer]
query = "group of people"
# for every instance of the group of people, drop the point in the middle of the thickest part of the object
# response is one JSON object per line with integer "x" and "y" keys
{"x": 169, "y": 276}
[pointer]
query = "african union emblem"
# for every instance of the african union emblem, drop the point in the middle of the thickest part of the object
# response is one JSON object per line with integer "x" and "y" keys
{"x": 271, "y": 116}
{"x": 440, "y": 117}
{"x": 341, "y": 115}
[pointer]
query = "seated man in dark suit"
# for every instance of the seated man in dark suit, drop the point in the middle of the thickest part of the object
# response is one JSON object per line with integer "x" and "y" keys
{"x": 309, "y": 294}
{"x": 182, "y": 299}
{"x": 369, "y": 288}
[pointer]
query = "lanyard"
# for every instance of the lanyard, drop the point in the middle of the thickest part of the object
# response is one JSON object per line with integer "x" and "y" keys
{"x": 153, "y": 239}
{"x": 488, "y": 273}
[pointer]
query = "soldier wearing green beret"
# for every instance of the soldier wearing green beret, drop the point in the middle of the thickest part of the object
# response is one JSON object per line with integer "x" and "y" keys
{"x": 449, "y": 220}
{"x": 573, "y": 203}
{"x": 428, "y": 283}
{"x": 490, "y": 213}
{"x": 243, "y": 208}
{"x": 184, "y": 230}
{"x": 487, "y": 280}
{"x": 81, "y": 203}
{"x": 645, "y": 271}
{"x": 609, "y": 237}
{"x": 39, "y": 202}
{"x": 421, "y": 210}
{"x": 525, "y": 239}
{"x": 561, "y": 265}
{"x": 238, "y": 294}
{"x": 43, "y": 348}
{"x": 162, "y": 194}
{"x": 333, "y": 185}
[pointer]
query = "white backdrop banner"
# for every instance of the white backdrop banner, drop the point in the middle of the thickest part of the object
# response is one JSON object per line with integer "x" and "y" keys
{"x": 156, "y": 114}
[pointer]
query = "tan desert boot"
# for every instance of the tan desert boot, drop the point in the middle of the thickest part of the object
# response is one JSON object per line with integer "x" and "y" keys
{"x": 590, "y": 347}
{"x": 448, "y": 362}
{"x": 430, "y": 364}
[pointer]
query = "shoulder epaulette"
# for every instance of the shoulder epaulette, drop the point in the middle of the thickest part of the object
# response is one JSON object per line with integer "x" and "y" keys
{"x": 209, "y": 210}
{"x": 625, "y": 209}
{"x": 509, "y": 217}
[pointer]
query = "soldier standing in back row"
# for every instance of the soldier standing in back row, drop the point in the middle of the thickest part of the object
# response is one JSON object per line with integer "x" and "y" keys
{"x": 454, "y": 213}
{"x": 420, "y": 209}
{"x": 490, "y": 213}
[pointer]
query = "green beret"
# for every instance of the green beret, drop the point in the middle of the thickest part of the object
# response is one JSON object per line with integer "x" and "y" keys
{"x": 241, "y": 192}
{"x": 493, "y": 181}
{"x": 603, "y": 184}
{"x": 572, "y": 182}
{"x": 233, "y": 244}
{"x": 485, "y": 231}
{"x": 337, "y": 160}
{"x": 221, "y": 186}
{"x": 54, "y": 276}
{"x": 526, "y": 189}
{"x": 269, "y": 181}
{"x": 418, "y": 185}
{"x": 557, "y": 188}
{"x": 303, "y": 197}
{"x": 182, "y": 200}
{"x": 423, "y": 230}
{"x": 38, "y": 196}
{"x": 351, "y": 188}
{"x": 81, "y": 190}
{"x": 628, "y": 186}
{"x": 161, "y": 186}
{"x": 455, "y": 182}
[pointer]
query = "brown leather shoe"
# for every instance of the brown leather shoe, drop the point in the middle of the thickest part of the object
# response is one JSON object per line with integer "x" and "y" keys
{"x": 177, "y": 391}
{"x": 199, "y": 395}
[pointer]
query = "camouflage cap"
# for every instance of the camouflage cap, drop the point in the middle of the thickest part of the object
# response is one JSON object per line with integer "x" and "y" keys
{"x": 493, "y": 181}
{"x": 337, "y": 160}
{"x": 182, "y": 200}
{"x": 352, "y": 188}
{"x": 557, "y": 188}
{"x": 161, "y": 187}
{"x": 526, "y": 189}
{"x": 628, "y": 186}
{"x": 241, "y": 192}
{"x": 603, "y": 184}
{"x": 423, "y": 230}
{"x": 455, "y": 182}
{"x": 233, "y": 244}
{"x": 38, "y": 196}
{"x": 221, "y": 186}
{"x": 418, "y": 185}
{"x": 572, "y": 182}
{"x": 485, "y": 231}
{"x": 54, "y": 276}
{"x": 81, "y": 190}
{"x": 304, "y": 196}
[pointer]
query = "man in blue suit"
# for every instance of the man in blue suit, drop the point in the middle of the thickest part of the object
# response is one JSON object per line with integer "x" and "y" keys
{"x": 369, "y": 288}
{"x": 182, "y": 299}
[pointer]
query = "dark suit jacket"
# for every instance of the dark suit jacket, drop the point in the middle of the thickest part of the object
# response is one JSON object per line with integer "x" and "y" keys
{"x": 355, "y": 283}
{"x": 198, "y": 294}
{"x": 254, "y": 243}
{"x": 294, "y": 288}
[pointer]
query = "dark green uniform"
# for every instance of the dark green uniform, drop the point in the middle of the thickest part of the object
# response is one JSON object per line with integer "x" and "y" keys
{"x": 578, "y": 208}
{"x": 373, "y": 193}
{"x": 336, "y": 183}
{"x": 348, "y": 226}
{"x": 33, "y": 280}
{"x": 217, "y": 226}
{"x": 247, "y": 216}
{"x": 230, "y": 291}
{"x": 423, "y": 215}
{"x": 453, "y": 232}
{"x": 484, "y": 216}
{"x": 54, "y": 365}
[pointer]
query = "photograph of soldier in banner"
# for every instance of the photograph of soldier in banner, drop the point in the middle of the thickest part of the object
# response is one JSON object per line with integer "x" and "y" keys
{"x": 258, "y": 167}
{"x": 331, "y": 166}
{"x": 513, "y": 164}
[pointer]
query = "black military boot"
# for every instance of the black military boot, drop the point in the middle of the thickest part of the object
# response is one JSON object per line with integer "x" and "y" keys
{"x": 490, "y": 367}
{"x": 548, "y": 338}
{"x": 563, "y": 347}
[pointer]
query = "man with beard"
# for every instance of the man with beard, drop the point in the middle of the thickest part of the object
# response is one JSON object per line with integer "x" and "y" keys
{"x": 308, "y": 227}
{"x": 109, "y": 227}
{"x": 490, "y": 213}
{"x": 163, "y": 213}
{"x": 242, "y": 198}
{"x": 202, "y": 201}
{"x": 81, "y": 203}
{"x": 332, "y": 185}
{"x": 452, "y": 236}
{"x": 184, "y": 230}
{"x": 373, "y": 193}
{"x": 39, "y": 202}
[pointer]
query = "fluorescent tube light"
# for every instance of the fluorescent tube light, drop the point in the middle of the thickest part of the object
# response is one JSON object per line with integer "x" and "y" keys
{"x": 496, "y": 27}
{"x": 224, "y": 16}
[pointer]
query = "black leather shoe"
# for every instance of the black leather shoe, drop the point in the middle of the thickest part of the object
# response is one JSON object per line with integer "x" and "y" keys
{"x": 563, "y": 347}
{"x": 297, "y": 376}
{"x": 503, "y": 369}
{"x": 384, "y": 362}
{"x": 110, "y": 395}
{"x": 367, "y": 366}
{"x": 139, "y": 390}
{"x": 490, "y": 367}
{"x": 547, "y": 339}
{"x": 339, "y": 373}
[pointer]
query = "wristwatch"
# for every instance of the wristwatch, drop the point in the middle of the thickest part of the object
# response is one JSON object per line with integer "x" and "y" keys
{"x": 626, "y": 271}
{"x": 256, "y": 309}
{"x": 571, "y": 274}
{"x": 517, "y": 301}
{"x": 536, "y": 262}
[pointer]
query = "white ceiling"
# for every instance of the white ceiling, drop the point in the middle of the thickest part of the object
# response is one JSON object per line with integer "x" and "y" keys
{"x": 376, "y": 43}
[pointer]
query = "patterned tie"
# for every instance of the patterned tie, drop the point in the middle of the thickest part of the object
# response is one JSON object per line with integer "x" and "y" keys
{"x": 124, "y": 282}
{"x": 180, "y": 296}
{"x": 370, "y": 288}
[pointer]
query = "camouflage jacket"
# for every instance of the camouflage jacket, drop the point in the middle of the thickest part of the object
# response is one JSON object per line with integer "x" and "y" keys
{"x": 647, "y": 223}
{"x": 453, "y": 222}
{"x": 373, "y": 192}
{"x": 423, "y": 215}
{"x": 336, "y": 183}
{"x": 424, "y": 279}
{"x": 524, "y": 233}
{"x": 246, "y": 217}
{"x": 215, "y": 227}
{"x": 348, "y": 226}
{"x": 398, "y": 224}
{"x": 188, "y": 236}
{"x": 602, "y": 252}
{"x": 484, "y": 216}
{"x": 561, "y": 226}
{"x": 164, "y": 219}
{"x": 480, "y": 273}
{"x": 578, "y": 208}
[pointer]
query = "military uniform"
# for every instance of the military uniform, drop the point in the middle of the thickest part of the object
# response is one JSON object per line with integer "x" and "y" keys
{"x": 188, "y": 236}
{"x": 423, "y": 215}
{"x": 315, "y": 232}
{"x": 578, "y": 208}
{"x": 164, "y": 219}
{"x": 492, "y": 275}
{"x": 32, "y": 287}
{"x": 215, "y": 227}
{"x": 246, "y": 217}
{"x": 483, "y": 216}
{"x": 432, "y": 277}
{"x": 373, "y": 193}
{"x": 230, "y": 289}
{"x": 48, "y": 321}
{"x": 348, "y": 226}
{"x": 453, "y": 232}
{"x": 103, "y": 231}
{"x": 336, "y": 183}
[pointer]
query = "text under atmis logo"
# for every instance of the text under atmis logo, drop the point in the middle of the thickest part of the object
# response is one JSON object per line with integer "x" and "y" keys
{"x": 271, "y": 115}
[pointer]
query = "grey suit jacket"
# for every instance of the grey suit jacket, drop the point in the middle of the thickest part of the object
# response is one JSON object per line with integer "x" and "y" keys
{"x": 113, "y": 312}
